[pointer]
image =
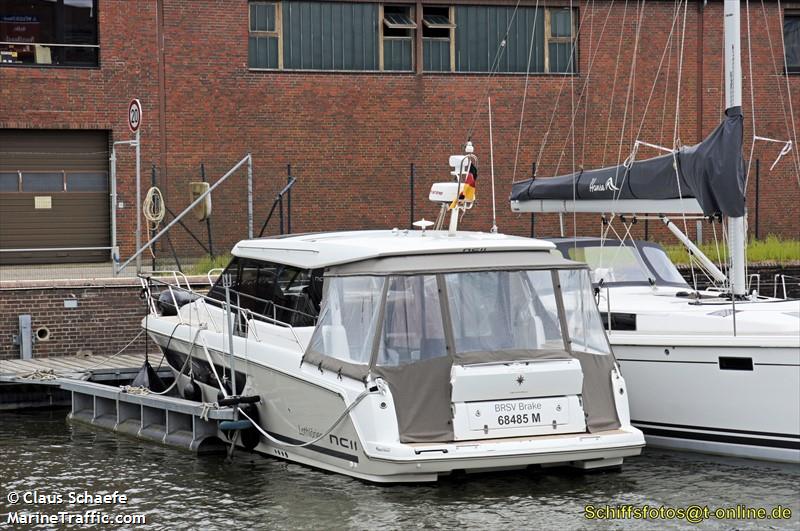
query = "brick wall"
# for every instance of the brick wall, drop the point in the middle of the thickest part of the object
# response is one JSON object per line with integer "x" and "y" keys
{"x": 108, "y": 315}
{"x": 351, "y": 137}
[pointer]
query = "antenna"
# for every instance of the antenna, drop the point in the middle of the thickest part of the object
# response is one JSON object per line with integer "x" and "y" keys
{"x": 491, "y": 165}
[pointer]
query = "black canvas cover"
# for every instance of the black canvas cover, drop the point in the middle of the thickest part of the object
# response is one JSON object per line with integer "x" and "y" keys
{"x": 711, "y": 172}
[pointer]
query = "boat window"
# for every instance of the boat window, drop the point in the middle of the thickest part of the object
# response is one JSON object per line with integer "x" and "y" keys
{"x": 583, "y": 317}
{"x": 612, "y": 263}
{"x": 661, "y": 265}
{"x": 286, "y": 294}
{"x": 217, "y": 291}
{"x": 346, "y": 328}
{"x": 503, "y": 310}
{"x": 412, "y": 324}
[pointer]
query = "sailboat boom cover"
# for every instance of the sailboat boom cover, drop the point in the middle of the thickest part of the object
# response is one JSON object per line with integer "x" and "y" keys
{"x": 712, "y": 172}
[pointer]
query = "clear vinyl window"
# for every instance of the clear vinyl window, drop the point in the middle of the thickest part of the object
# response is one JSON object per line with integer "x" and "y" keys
{"x": 583, "y": 318}
{"x": 346, "y": 328}
{"x": 496, "y": 311}
{"x": 412, "y": 325}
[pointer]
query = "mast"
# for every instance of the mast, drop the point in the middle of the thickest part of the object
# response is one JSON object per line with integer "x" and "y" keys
{"x": 733, "y": 100}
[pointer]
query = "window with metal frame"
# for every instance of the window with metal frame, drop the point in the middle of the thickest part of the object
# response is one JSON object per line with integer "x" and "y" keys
{"x": 49, "y": 33}
{"x": 791, "y": 41}
{"x": 560, "y": 53}
{"x": 42, "y": 181}
{"x": 339, "y": 36}
{"x": 264, "y": 46}
{"x": 508, "y": 40}
{"x": 9, "y": 181}
{"x": 397, "y": 37}
{"x": 438, "y": 31}
{"x": 87, "y": 181}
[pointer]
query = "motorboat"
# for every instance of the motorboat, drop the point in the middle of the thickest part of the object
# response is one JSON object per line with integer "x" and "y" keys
{"x": 704, "y": 372}
{"x": 402, "y": 355}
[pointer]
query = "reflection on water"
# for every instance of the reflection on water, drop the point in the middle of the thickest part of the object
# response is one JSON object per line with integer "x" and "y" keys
{"x": 178, "y": 490}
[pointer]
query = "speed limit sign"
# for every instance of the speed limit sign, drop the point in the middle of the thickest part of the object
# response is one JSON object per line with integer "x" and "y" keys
{"x": 134, "y": 115}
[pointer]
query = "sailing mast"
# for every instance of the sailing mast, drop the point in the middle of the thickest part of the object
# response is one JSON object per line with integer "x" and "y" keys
{"x": 733, "y": 99}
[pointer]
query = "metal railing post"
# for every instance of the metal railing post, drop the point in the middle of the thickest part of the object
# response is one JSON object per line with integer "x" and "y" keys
{"x": 188, "y": 209}
{"x": 138, "y": 205}
{"x": 113, "y": 194}
{"x": 411, "y": 179}
{"x": 289, "y": 200}
{"x": 250, "y": 196}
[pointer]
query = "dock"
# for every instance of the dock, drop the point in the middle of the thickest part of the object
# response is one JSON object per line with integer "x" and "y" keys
{"x": 95, "y": 368}
{"x": 94, "y": 388}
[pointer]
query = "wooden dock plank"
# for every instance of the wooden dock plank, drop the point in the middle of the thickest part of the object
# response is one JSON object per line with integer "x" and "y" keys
{"x": 73, "y": 364}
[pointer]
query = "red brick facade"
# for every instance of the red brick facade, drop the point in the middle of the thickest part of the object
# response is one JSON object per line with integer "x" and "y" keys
{"x": 351, "y": 137}
{"x": 102, "y": 317}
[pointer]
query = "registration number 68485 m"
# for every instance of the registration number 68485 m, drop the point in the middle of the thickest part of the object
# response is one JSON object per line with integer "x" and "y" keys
{"x": 520, "y": 418}
{"x": 518, "y": 413}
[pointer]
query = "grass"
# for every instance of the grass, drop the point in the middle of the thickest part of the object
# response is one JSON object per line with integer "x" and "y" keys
{"x": 207, "y": 263}
{"x": 771, "y": 249}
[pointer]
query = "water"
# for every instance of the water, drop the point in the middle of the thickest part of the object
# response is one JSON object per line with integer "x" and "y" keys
{"x": 178, "y": 490}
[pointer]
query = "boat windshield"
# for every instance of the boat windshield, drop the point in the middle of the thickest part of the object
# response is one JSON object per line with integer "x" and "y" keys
{"x": 401, "y": 319}
{"x": 637, "y": 263}
{"x": 612, "y": 263}
{"x": 661, "y": 265}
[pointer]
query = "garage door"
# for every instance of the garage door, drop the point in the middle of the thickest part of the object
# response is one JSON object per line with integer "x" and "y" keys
{"x": 54, "y": 195}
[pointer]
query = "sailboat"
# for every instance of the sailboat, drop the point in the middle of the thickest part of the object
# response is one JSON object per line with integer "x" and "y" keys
{"x": 714, "y": 370}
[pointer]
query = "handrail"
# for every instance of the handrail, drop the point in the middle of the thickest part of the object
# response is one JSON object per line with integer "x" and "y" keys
{"x": 757, "y": 276}
{"x": 206, "y": 298}
{"x": 277, "y": 201}
{"x": 783, "y": 278}
{"x": 200, "y": 198}
{"x": 208, "y": 275}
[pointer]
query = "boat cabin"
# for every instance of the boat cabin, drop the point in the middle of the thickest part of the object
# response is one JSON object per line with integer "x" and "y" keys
{"x": 421, "y": 310}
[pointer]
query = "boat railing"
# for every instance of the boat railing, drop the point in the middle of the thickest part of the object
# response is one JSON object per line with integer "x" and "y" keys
{"x": 214, "y": 272}
{"x": 244, "y": 316}
{"x": 782, "y": 277}
{"x": 750, "y": 277}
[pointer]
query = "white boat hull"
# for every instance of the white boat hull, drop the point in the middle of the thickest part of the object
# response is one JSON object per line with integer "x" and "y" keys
{"x": 682, "y": 396}
{"x": 298, "y": 403}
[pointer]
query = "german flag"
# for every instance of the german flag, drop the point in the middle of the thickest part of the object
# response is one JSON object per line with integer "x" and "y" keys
{"x": 468, "y": 187}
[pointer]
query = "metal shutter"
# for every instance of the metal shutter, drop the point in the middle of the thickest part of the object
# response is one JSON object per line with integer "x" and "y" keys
{"x": 54, "y": 193}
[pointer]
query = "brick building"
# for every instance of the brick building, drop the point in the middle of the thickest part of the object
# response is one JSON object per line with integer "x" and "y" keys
{"x": 352, "y": 93}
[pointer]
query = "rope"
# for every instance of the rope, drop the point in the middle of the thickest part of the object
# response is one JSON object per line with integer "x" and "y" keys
{"x": 796, "y": 158}
{"x": 117, "y": 353}
{"x": 135, "y": 390}
{"x": 493, "y": 69}
{"x": 345, "y": 413}
{"x": 525, "y": 90}
{"x": 153, "y": 207}
{"x": 571, "y": 73}
{"x": 614, "y": 83}
{"x": 154, "y": 210}
{"x": 584, "y": 90}
{"x": 41, "y": 375}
